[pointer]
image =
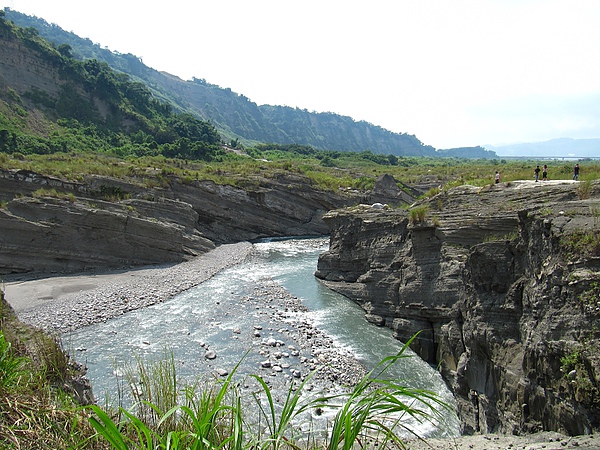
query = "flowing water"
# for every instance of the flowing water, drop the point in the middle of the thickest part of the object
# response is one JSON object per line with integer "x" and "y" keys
{"x": 224, "y": 309}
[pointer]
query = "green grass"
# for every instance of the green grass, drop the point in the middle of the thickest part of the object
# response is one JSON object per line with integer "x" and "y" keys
{"x": 418, "y": 214}
{"x": 36, "y": 409}
{"x": 215, "y": 415}
{"x": 348, "y": 171}
{"x": 10, "y": 365}
{"x": 581, "y": 244}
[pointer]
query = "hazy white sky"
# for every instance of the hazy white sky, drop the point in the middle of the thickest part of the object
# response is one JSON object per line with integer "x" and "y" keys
{"x": 452, "y": 72}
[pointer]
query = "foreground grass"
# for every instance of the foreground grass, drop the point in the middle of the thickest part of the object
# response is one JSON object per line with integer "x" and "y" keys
{"x": 372, "y": 414}
{"x": 37, "y": 411}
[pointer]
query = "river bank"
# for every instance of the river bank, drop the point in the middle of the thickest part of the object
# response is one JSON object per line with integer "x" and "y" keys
{"x": 65, "y": 303}
{"x": 546, "y": 440}
{"x": 62, "y": 304}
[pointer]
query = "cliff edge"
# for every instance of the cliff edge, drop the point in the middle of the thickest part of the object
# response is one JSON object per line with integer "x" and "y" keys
{"x": 51, "y": 225}
{"x": 503, "y": 284}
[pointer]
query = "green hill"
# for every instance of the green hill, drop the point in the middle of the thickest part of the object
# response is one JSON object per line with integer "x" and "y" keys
{"x": 237, "y": 117}
{"x": 50, "y": 102}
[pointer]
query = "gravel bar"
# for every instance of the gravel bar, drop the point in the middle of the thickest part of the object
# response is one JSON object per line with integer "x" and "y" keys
{"x": 66, "y": 303}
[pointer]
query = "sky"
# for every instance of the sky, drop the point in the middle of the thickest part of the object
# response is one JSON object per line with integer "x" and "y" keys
{"x": 453, "y": 73}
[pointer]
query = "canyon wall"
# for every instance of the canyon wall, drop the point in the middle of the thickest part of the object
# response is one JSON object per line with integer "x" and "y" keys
{"x": 504, "y": 295}
{"x": 51, "y": 225}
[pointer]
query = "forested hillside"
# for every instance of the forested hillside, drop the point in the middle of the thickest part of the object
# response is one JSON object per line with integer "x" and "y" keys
{"x": 51, "y": 102}
{"x": 239, "y": 119}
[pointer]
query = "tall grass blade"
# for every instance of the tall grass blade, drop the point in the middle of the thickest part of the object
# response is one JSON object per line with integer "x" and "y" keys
{"x": 107, "y": 428}
{"x": 371, "y": 414}
{"x": 10, "y": 364}
{"x": 280, "y": 424}
{"x": 144, "y": 433}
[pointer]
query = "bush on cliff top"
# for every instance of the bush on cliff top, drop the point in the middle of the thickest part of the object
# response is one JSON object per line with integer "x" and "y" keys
{"x": 581, "y": 244}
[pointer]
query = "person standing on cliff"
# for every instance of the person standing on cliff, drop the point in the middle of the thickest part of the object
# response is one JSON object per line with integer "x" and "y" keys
{"x": 537, "y": 173}
{"x": 545, "y": 173}
{"x": 576, "y": 172}
{"x": 497, "y": 177}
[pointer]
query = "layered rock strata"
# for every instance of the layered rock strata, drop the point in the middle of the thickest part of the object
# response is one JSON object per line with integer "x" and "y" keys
{"x": 52, "y": 225}
{"x": 489, "y": 278}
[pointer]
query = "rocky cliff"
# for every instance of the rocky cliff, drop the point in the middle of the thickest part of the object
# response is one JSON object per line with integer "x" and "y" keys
{"x": 502, "y": 283}
{"x": 52, "y": 225}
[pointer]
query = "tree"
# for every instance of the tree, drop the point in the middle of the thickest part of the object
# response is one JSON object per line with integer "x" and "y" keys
{"x": 31, "y": 32}
{"x": 65, "y": 50}
{"x": 327, "y": 162}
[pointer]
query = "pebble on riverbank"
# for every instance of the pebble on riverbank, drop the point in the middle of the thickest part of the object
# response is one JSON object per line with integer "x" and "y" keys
{"x": 121, "y": 293}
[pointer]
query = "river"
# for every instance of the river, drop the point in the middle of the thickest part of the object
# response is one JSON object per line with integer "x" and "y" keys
{"x": 227, "y": 313}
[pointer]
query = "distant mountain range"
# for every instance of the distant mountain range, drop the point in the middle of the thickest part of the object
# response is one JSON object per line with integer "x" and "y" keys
{"x": 555, "y": 148}
{"x": 240, "y": 120}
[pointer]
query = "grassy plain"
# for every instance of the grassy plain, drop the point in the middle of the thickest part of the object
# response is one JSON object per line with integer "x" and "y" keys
{"x": 351, "y": 170}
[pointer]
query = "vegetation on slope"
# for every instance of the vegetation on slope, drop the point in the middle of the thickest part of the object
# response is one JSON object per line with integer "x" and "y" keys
{"x": 37, "y": 406}
{"x": 94, "y": 109}
{"x": 238, "y": 118}
{"x": 141, "y": 133}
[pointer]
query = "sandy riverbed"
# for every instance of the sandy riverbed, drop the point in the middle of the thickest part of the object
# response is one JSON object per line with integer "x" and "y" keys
{"x": 65, "y": 303}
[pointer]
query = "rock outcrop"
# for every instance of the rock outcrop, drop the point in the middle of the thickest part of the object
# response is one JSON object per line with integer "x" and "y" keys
{"x": 502, "y": 283}
{"x": 52, "y": 225}
{"x": 66, "y": 229}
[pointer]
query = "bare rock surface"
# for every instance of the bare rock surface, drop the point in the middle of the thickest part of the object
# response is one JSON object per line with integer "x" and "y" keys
{"x": 536, "y": 441}
{"x": 50, "y": 225}
{"x": 501, "y": 300}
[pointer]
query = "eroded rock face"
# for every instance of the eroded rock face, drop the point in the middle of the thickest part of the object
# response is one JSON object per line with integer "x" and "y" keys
{"x": 486, "y": 282}
{"x": 57, "y": 235}
{"x": 73, "y": 227}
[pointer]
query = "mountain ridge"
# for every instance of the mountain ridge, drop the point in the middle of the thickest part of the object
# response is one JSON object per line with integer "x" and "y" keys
{"x": 240, "y": 119}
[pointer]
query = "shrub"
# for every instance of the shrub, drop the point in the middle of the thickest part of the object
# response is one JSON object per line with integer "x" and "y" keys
{"x": 35, "y": 412}
{"x": 584, "y": 190}
{"x": 364, "y": 183}
{"x": 432, "y": 192}
{"x": 113, "y": 193}
{"x": 418, "y": 214}
{"x": 581, "y": 244}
